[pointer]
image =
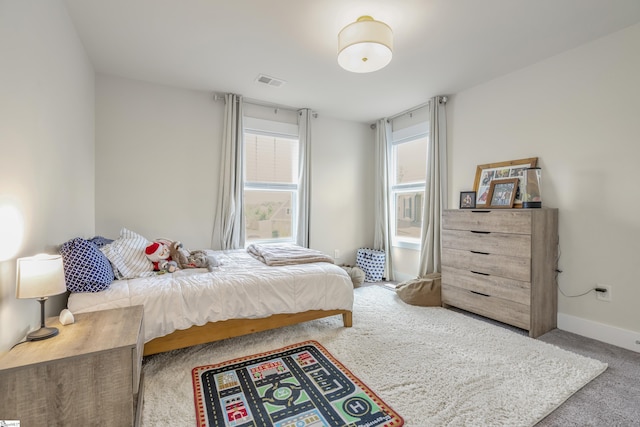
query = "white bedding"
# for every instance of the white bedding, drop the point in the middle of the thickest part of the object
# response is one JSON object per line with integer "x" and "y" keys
{"x": 241, "y": 287}
{"x": 275, "y": 255}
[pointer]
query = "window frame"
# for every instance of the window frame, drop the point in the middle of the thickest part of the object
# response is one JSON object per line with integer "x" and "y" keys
{"x": 398, "y": 137}
{"x": 272, "y": 129}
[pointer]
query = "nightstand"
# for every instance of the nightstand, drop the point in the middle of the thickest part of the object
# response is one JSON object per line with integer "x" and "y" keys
{"x": 90, "y": 374}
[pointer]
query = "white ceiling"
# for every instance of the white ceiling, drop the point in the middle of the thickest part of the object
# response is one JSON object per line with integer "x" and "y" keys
{"x": 441, "y": 46}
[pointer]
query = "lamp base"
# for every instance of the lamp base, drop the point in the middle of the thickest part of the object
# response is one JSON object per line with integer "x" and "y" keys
{"x": 42, "y": 334}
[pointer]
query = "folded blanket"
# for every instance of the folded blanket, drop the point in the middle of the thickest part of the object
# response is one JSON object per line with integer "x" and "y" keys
{"x": 275, "y": 255}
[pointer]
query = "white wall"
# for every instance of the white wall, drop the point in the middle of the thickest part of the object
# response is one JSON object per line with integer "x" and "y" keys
{"x": 157, "y": 168}
{"x": 157, "y": 159}
{"x": 342, "y": 200}
{"x": 578, "y": 112}
{"x": 47, "y": 144}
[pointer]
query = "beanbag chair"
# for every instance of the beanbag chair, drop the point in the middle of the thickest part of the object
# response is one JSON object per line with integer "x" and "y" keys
{"x": 423, "y": 291}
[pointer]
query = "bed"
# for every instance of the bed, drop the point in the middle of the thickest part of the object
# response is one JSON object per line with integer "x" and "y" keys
{"x": 240, "y": 296}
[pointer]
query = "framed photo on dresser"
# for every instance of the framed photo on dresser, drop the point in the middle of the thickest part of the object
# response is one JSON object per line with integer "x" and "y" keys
{"x": 485, "y": 174}
{"x": 467, "y": 200}
{"x": 502, "y": 193}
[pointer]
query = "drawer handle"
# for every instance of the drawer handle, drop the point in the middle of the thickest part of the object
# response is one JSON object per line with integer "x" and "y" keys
{"x": 481, "y": 211}
{"x": 480, "y": 293}
{"x": 480, "y": 232}
{"x": 477, "y": 272}
{"x": 479, "y": 253}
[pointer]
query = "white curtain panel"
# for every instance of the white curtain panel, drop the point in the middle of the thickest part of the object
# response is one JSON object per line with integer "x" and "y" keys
{"x": 435, "y": 192}
{"x": 228, "y": 226}
{"x": 382, "y": 236}
{"x": 304, "y": 190}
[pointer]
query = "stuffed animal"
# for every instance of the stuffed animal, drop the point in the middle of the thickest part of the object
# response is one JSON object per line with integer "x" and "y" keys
{"x": 192, "y": 259}
{"x": 160, "y": 255}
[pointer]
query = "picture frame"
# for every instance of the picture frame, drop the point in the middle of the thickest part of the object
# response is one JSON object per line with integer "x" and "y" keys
{"x": 485, "y": 174}
{"x": 502, "y": 193}
{"x": 467, "y": 200}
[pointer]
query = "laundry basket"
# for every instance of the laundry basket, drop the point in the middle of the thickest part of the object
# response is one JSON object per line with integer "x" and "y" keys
{"x": 371, "y": 261}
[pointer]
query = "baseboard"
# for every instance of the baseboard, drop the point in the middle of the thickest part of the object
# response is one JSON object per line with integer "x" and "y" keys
{"x": 599, "y": 331}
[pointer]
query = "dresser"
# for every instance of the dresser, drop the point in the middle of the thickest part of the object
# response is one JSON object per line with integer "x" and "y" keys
{"x": 502, "y": 264}
{"x": 87, "y": 375}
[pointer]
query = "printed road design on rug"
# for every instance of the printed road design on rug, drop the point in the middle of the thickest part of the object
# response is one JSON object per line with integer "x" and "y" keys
{"x": 301, "y": 385}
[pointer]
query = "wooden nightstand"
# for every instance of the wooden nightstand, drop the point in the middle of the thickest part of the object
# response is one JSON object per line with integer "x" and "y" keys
{"x": 90, "y": 374}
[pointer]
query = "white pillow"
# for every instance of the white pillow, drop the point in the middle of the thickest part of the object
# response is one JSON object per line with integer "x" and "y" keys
{"x": 127, "y": 255}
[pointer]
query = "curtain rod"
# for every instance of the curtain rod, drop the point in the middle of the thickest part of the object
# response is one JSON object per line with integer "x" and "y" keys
{"x": 270, "y": 104}
{"x": 410, "y": 110}
{"x": 219, "y": 97}
{"x": 441, "y": 99}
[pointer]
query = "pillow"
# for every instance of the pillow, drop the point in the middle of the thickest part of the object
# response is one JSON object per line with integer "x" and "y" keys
{"x": 100, "y": 241}
{"x": 423, "y": 291}
{"x": 212, "y": 261}
{"x": 127, "y": 256}
{"x": 86, "y": 269}
{"x": 356, "y": 274}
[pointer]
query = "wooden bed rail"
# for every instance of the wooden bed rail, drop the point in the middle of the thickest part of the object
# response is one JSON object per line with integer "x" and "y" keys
{"x": 216, "y": 331}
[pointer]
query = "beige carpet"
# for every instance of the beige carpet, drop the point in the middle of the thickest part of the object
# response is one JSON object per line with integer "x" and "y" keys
{"x": 435, "y": 367}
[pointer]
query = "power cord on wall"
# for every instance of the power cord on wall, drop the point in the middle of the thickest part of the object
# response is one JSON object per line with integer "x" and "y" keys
{"x": 582, "y": 294}
{"x": 558, "y": 271}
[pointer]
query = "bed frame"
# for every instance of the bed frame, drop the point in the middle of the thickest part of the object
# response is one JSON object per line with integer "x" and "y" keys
{"x": 215, "y": 331}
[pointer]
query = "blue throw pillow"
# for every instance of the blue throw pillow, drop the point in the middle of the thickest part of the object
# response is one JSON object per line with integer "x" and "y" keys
{"x": 100, "y": 241}
{"x": 86, "y": 269}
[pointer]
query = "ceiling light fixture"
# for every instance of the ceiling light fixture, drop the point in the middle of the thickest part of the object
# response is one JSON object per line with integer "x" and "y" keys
{"x": 365, "y": 45}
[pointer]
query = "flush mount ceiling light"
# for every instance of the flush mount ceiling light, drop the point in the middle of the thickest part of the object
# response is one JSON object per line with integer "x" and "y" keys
{"x": 365, "y": 45}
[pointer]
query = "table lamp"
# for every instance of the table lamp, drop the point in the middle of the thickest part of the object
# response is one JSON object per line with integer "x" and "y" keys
{"x": 39, "y": 277}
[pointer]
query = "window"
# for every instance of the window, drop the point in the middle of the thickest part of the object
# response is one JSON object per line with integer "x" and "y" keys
{"x": 270, "y": 185}
{"x": 407, "y": 181}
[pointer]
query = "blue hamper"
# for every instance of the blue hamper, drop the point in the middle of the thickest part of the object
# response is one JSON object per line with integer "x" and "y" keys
{"x": 371, "y": 261}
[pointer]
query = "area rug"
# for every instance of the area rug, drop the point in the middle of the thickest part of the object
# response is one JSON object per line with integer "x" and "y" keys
{"x": 296, "y": 386}
{"x": 433, "y": 366}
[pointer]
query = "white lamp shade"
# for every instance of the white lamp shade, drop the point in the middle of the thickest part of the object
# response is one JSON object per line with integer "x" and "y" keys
{"x": 365, "y": 45}
{"x": 38, "y": 276}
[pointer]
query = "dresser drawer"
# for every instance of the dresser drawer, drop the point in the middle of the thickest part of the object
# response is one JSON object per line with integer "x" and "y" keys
{"x": 508, "y": 289}
{"x": 488, "y": 264}
{"x": 493, "y": 307}
{"x": 518, "y": 245}
{"x": 516, "y": 221}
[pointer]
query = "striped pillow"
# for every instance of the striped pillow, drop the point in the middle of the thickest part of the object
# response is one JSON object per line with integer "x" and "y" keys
{"x": 127, "y": 256}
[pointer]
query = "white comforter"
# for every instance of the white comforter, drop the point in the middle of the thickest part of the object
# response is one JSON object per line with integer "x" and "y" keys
{"x": 241, "y": 287}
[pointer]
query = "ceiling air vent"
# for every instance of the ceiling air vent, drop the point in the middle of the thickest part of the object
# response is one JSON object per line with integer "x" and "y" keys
{"x": 269, "y": 81}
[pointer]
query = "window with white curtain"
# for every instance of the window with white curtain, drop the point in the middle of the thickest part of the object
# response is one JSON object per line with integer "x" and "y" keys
{"x": 270, "y": 181}
{"x": 408, "y": 160}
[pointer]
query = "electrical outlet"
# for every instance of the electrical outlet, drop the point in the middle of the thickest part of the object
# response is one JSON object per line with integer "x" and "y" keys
{"x": 336, "y": 253}
{"x": 604, "y": 296}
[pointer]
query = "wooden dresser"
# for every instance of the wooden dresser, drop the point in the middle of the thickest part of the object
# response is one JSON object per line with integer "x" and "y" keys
{"x": 501, "y": 264}
{"x": 87, "y": 375}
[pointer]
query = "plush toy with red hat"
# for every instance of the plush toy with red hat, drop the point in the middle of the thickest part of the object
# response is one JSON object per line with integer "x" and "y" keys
{"x": 160, "y": 255}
